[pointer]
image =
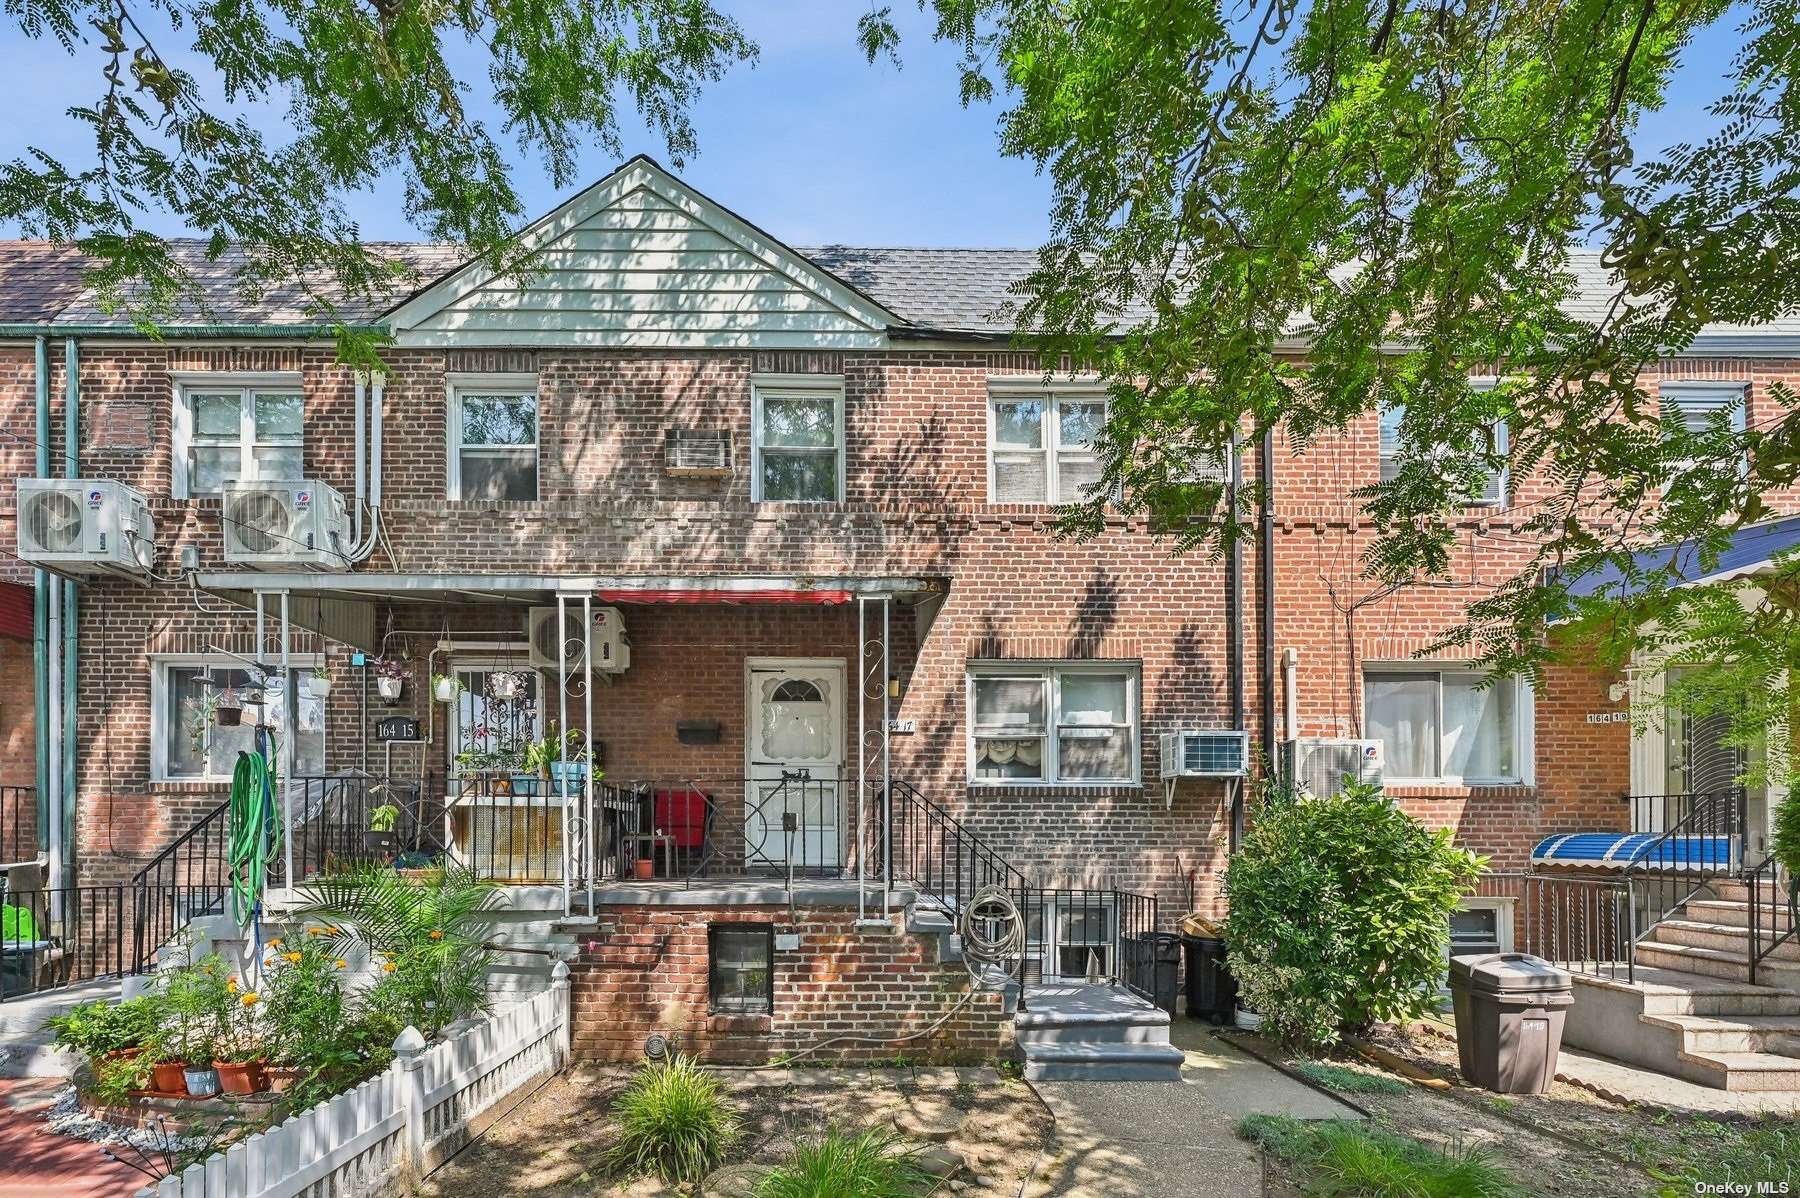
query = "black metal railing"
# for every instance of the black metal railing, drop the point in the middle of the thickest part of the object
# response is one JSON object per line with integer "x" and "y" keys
{"x": 18, "y": 824}
{"x": 1584, "y": 925}
{"x": 1703, "y": 846}
{"x": 341, "y": 820}
{"x": 1085, "y": 935}
{"x": 1773, "y": 896}
{"x": 930, "y": 850}
{"x": 793, "y": 824}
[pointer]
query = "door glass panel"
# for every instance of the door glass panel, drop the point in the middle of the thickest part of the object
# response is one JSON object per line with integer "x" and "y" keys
{"x": 796, "y": 719}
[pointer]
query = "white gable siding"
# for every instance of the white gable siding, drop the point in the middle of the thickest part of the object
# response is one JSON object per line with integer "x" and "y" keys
{"x": 646, "y": 263}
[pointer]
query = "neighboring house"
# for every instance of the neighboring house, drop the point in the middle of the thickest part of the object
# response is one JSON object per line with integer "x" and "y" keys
{"x": 818, "y": 489}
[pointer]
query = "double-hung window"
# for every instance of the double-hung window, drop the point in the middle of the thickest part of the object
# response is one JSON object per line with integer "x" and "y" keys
{"x": 1446, "y": 726}
{"x": 1062, "y": 723}
{"x": 798, "y": 439}
{"x": 493, "y": 427}
{"x": 1493, "y": 488}
{"x": 1697, "y": 407}
{"x": 237, "y": 430}
{"x": 191, "y": 745}
{"x": 1040, "y": 445}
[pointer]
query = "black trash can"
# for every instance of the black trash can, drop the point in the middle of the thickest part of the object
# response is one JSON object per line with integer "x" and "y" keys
{"x": 1153, "y": 967}
{"x": 1211, "y": 990}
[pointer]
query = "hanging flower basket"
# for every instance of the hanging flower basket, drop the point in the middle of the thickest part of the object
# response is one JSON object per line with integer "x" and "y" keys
{"x": 445, "y": 688}
{"x": 389, "y": 688}
{"x": 505, "y": 685}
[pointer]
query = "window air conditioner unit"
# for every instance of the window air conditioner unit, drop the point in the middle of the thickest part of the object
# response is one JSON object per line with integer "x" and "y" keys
{"x": 302, "y": 523}
{"x": 1319, "y": 766}
{"x": 612, "y": 651}
{"x": 1203, "y": 753}
{"x": 697, "y": 452}
{"x": 85, "y": 526}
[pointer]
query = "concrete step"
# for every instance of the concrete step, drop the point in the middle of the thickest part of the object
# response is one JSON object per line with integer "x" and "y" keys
{"x": 1717, "y": 963}
{"x": 1736, "y": 913}
{"x": 1103, "y": 1062}
{"x": 25, "y": 1049}
{"x": 1111, "y": 1027}
{"x": 1742, "y": 1072}
{"x": 1732, "y": 1033}
{"x": 1735, "y": 891}
{"x": 1725, "y": 937}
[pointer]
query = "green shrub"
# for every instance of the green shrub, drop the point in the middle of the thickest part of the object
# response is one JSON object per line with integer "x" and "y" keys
{"x": 1784, "y": 844}
{"x": 875, "y": 1164}
{"x": 1348, "y": 1081}
{"x": 673, "y": 1122}
{"x": 1351, "y": 1160}
{"x": 96, "y": 1028}
{"x": 1340, "y": 913}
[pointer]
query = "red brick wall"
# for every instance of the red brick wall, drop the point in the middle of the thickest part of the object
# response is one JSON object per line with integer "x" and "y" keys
{"x": 916, "y": 507}
{"x": 18, "y": 750}
{"x": 842, "y": 980}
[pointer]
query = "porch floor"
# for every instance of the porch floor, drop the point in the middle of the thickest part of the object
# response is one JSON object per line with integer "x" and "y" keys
{"x": 742, "y": 892}
{"x": 1096, "y": 1002}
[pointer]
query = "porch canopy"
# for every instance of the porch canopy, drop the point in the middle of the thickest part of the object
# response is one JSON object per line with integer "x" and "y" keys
{"x": 1751, "y": 551}
{"x": 1622, "y": 850}
{"x": 342, "y": 607}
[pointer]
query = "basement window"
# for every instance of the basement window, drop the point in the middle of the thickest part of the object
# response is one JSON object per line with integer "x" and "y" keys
{"x": 741, "y": 977}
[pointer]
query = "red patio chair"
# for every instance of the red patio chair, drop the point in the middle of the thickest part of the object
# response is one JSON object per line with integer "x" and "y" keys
{"x": 686, "y": 815}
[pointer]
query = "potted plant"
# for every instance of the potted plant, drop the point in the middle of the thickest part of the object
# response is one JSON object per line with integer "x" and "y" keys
{"x": 197, "y": 996}
{"x": 391, "y": 674}
{"x": 238, "y": 1055}
{"x": 380, "y": 836}
{"x": 319, "y": 682}
{"x": 445, "y": 687}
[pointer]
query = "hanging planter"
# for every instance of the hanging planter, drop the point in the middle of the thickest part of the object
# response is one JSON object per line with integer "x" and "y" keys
{"x": 390, "y": 678}
{"x": 445, "y": 688}
{"x": 229, "y": 711}
{"x": 505, "y": 685}
{"x": 319, "y": 683}
{"x": 390, "y": 688}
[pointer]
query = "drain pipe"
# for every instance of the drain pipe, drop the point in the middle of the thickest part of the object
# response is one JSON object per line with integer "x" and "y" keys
{"x": 356, "y": 509}
{"x": 40, "y": 615}
{"x": 1234, "y": 627}
{"x": 1267, "y": 568}
{"x": 376, "y": 384}
{"x": 71, "y": 636}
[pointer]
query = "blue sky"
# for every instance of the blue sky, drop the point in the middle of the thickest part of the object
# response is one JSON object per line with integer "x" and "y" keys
{"x": 813, "y": 144}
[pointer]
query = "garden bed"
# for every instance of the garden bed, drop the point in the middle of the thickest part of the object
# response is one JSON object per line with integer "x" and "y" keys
{"x": 555, "y": 1141}
{"x": 1567, "y": 1141}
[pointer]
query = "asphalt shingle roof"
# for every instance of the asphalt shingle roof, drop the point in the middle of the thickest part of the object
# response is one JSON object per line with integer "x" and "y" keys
{"x": 947, "y": 290}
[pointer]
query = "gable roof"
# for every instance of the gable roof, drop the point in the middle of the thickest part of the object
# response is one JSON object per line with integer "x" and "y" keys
{"x": 642, "y": 259}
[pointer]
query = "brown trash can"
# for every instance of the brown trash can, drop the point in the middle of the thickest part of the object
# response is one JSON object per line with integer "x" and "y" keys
{"x": 1509, "y": 1020}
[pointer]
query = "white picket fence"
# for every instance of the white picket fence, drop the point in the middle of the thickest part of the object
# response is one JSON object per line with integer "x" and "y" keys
{"x": 403, "y": 1122}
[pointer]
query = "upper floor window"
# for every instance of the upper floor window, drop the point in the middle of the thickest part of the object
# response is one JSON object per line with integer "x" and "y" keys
{"x": 797, "y": 439}
{"x": 189, "y": 741}
{"x": 493, "y": 425}
{"x": 1445, "y": 726}
{"x": 1040, "y": 446}
{"x": 1494, "y": 488}
{"x": 1696, "y": 406}
{"x": 1075, "y": 723}
{"x": 238, "y": 429}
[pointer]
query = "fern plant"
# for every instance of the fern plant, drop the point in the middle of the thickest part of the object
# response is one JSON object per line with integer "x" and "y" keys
{"x": 674, "y": 1121}
{"x": 875, "y": 1164}
{"x": 428, "y": 935}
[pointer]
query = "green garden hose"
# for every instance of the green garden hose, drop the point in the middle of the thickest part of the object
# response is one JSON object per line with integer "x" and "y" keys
{"x": 252, "y": 834}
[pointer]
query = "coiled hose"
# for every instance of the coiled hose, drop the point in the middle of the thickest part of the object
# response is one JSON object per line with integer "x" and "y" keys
{"x": 251, "y": 834}
{"x": 993, "y": 936}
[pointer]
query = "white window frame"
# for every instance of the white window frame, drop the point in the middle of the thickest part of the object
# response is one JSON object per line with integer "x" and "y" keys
{"x": 1524, "y": 724}
{"x": 501, "y": 660}
{"x": 515, "y": 383}
{"x": 1502, "y": 482}
{"x": 1051, "y": 673}
{"x": 1054, "y": 396}
{"x": 1047, "y": 947}
{"x": 1733, "y": 395}
{"x": 181, "y": 420}
{"x": 794, "y": 386}
{"x": 160, "y": 665}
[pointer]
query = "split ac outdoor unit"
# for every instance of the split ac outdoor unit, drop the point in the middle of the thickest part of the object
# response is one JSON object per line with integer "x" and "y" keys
{"x": 1204, "y": 753}
{"x": 1319, "y": 766}
{"x": 612, "y": 651}
{"x": 302, "y": 524}
{"x": 85, "y": 526}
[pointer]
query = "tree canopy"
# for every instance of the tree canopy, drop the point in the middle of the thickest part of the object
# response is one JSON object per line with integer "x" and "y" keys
{"x": 371, "y": 90}
{"x": 1274, "y": 214}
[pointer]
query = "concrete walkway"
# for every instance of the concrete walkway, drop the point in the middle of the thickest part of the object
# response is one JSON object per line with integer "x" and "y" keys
{"x": 1164, "y": 1140}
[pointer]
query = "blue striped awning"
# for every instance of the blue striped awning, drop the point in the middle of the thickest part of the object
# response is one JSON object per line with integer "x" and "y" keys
{"x": 1616, "y": 850}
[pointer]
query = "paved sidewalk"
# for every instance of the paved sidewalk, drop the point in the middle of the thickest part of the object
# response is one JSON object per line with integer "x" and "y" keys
{"x": 1162, "y": 1140}
{"x": 35, "y": 1163}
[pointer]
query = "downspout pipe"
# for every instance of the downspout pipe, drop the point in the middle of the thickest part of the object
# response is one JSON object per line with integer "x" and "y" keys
{"x": 1234, "y": 633}
{"x": 1271, "y": 745}
{"x": 71, "y": 608}
{"x": 40, "y": 615}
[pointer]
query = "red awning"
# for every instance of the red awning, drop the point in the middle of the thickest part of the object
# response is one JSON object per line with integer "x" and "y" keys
{"x": 766, "y": 596}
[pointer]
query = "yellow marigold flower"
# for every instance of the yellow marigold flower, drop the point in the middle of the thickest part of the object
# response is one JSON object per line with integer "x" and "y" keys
{"x": 340, "y": 963}
{"x": 436, "y": 935}
{"x": 249, "y": 999}
{"x": 315, "y": 931}
{"x": 388, "y": 968}
{"x": 275, "y": 943}
{"x": 231, "y": 984}
{"x": 290, "y": 957}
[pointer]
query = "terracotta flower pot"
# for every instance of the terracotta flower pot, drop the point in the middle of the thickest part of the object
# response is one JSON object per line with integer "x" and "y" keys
{"x": 121, "y": 1054}
{"x": 166, "y": 1077}
{"x": 240, "y": 1077}
{"x": 643, "y": 868}
{"x": 281, "y": 1078}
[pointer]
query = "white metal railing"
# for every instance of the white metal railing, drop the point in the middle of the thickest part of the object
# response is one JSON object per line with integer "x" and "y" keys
{"x": 403, "y": 1122}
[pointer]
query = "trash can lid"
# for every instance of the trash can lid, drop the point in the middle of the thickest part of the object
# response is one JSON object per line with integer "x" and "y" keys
{"x": 1199, "y": 927}
{"x": 1507, "y": 973}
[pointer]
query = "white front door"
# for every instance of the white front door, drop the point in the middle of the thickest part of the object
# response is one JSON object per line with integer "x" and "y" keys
{"x": 795, "y": 750}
